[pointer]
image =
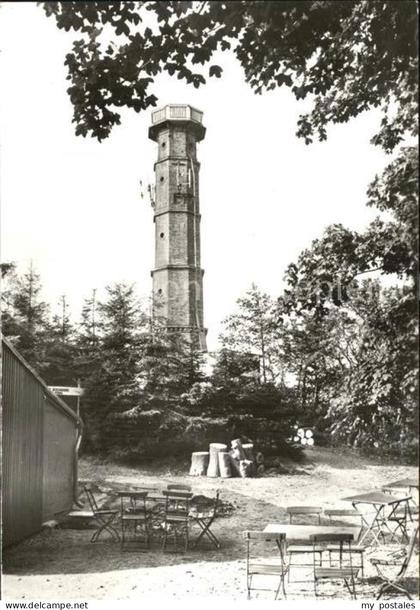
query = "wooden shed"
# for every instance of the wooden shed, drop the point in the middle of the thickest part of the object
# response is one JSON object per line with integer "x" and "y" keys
{"x": 41, "y": 436}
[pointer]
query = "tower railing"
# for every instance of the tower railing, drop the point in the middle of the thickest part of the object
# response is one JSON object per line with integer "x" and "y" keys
{"x": 181, "y": 112}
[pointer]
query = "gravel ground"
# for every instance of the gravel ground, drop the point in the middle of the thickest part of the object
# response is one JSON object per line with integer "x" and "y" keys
{"x": 62, "y": 564}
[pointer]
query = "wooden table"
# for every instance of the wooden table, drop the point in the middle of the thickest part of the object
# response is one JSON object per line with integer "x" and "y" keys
{"x": 404, "y": 485}
{"x": 380, "y": 501}
{"x": 301, "y": 534}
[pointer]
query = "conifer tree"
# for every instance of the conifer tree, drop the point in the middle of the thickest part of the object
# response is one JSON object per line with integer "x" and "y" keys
{"x": 25, "y": 319}
{"x": 60, "y": 348}
{"x": 87, "y": 339}
{"x": 170, "y": 362}
{"x": 113, "y": 339}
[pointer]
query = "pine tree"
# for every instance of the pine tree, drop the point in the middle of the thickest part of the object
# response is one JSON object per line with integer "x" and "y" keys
{"x": 60, "y": 348}
{"x": 120, "y": 324}
{"x": 25, "y": 320}
{"x": 170, "y": 363}
{"x": 113, "y": 339}
{"x": 87, "y": 340}
{"x": 8, "y": 280}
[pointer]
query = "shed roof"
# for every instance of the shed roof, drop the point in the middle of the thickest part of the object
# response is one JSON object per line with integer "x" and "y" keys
{"x": 56, "y": 400}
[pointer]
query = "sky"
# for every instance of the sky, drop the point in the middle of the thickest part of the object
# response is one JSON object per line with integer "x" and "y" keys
{"x": 73, "y": 206}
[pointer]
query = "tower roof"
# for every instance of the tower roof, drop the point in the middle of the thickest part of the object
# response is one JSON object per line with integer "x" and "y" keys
{"x": 177, "y": 114}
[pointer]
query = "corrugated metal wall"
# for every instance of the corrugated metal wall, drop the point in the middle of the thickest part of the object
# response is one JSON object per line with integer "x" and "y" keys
{"x": 59, "y": 443}
{"x": 23, "y": 404}
{"x": 39, "y": 438}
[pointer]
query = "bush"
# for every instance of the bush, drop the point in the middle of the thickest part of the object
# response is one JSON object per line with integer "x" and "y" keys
{"x": 160, "y": 431}
{"x": 264, "y": 415}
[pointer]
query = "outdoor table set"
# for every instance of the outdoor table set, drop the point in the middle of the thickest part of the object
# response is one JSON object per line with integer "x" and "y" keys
{"x": 147, "y": 515}
{"x": 304, "y": 539}
{"x": 382, "y": 517}
{"x": 385, "y": 512}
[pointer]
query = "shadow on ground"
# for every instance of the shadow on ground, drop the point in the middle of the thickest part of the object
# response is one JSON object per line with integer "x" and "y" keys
{"x": 69, "y": 551}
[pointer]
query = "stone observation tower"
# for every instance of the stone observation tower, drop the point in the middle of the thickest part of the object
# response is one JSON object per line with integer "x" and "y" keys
{"x": 177, "y": 276}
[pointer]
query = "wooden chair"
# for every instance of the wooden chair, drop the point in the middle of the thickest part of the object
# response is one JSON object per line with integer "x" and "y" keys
{"x": 398, "y": 561}
{"x": 409, "y": 491}
{"x": 104, "y": 518}
{"x": 400, "y": 518}
{"x": 348, "y": 573}
{"x": 204, "y": 519}
{"x": 277, "y": 568}
{"x": 176, "y": 519}
{"x": 343, "y": 512}
{"x": 292, "y": 550}
{"x": 358, "y": 551}
{"x": 304, "y": 510}
{"x": 135, "y": 517}
{"x": 178, "y": 487}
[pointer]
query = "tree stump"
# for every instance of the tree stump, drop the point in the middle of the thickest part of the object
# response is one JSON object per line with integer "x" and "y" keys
{"x": 199, "y": 463}
{"x": 245, "y": 467}
{"x": 225, "y": 464}
{"x": 249, "y": 454}
{"x": 238, "y": 449}
{"x": 234, "y": 463}
{"x": 249, "y": 451}
{"x": 214, "y": 450}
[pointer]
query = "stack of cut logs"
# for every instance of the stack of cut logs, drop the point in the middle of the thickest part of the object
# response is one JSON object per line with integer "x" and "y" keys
{"x": 239, "y": 461}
